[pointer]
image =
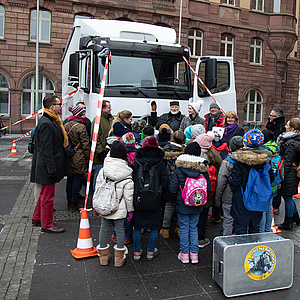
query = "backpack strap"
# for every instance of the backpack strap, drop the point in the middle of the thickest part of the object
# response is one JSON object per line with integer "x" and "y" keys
{"x": 230, "y": 159}
{"x": 76, "y": 147}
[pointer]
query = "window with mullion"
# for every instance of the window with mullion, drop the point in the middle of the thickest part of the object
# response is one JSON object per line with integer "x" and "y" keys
{"x": 256, "y": 51}
{"x": 195, "y": 40}
{"x": 253, "y": 107}
{"x": 44, "y": 26}
{"x": 227, "y": 45}
{"x": 2, "y": 21}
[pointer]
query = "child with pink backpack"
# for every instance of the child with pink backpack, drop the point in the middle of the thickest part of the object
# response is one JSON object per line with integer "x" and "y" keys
{"x": 188, "y": 188}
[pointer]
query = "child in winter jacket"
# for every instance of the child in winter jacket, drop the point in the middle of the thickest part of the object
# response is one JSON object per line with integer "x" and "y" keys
{"x": 172, "y": 149}
{"x": 148, "y": 156}
{"x": 223, "y": 194}
{"x": 116, "y": 167}
{"x": 128, "y": 140}
{"x": 189, "y": 165}
{"x": 252, "y": 155}
{"x": 218, "y": 143}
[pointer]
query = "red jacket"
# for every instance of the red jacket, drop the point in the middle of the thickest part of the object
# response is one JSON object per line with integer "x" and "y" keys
{"x": 220, "y": 121}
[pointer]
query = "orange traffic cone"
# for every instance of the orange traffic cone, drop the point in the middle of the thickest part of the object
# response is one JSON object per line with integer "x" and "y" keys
{"x": 274, "y": 228}
{"x": 85, "y": 243}
{"x": 297, "y": 195}
{"x": 13, "y": 149}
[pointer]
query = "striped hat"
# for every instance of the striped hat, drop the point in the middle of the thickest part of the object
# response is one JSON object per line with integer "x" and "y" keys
{"x": 76, "y": 110}
{"x": 128, "y": 139}
{"x": 253, "y": 138}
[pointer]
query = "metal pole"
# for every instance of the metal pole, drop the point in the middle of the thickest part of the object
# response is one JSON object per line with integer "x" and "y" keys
{"x": 179, "y": 33}
{"x": 37, "y": 61}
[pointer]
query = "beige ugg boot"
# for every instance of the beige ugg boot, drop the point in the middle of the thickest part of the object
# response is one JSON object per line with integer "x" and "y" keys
{"x": 120, "y": 256}
{"x": 165, "y": 233}
{"x": 104, "y": 255}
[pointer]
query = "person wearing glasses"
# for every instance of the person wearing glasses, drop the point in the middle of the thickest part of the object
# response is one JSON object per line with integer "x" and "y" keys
{"x": 276, "y": 121}
{"x": 50, "y": 163}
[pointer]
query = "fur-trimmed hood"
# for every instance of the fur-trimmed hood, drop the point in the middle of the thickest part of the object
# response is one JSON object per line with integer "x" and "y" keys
{"x": 253, "y": 157}
{"x": 192, "y": 162}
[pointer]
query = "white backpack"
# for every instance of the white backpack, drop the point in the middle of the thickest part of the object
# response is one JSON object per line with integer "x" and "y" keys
{"x": 105, "y": 200}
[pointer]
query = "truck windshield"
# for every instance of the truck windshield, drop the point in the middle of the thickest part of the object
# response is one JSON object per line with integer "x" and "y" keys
{"x": 153, "y": 72}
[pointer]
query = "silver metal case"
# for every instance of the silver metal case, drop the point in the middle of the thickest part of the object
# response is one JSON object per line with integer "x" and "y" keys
{"x": 252, "y": 263}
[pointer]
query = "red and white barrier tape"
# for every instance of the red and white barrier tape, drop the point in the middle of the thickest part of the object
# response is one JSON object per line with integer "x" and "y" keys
{"x": 209, "y": 92}
{"x": 95, "y": 132}
{"x": 22, "y": 137}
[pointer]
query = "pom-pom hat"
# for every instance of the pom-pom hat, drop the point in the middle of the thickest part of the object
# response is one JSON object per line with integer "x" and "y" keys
{"x": 205, "y": 140}
{"x": 196, "y": 106}
{"x": 128, "y": 139}
{"x": 76, "y": 110}
{"x": 253, "y": 138}
{"x": 150, "y": 142}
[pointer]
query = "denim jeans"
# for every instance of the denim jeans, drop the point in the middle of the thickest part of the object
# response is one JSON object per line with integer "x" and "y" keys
{"x": 276, "y": 201}
{"x": 188, "y": 234}
{"x": 290, "y": 206}
{"x": 266, "y": 220}
{"x": 137, "y": 240}
{"x": 105, "y": 231}
{"x": 74, "y": 183}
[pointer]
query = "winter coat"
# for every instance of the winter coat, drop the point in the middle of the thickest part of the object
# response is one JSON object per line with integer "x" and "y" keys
{"x": 289, "y": 186}
{"x": 118, "y": 169}
{"x": 150, "y": 219}
{"x": 173, "y": 121}
{"x": 246, "y": 158}
{"x": 212, "y": 173}
{"x": 238, "y": 131}
{"x": 131, "y": 153}
{"x": 187, "y": 166}
{"x": 79, "y": 138}
{"x": 277, "y": 126}
{"x": 217, "y": 123}
{"x": 221, "y": 147}
{"x": 104, "y": 127}
{"x": 172, "y": 151}
{"x": 51, "y": 163}
{"x": 223, "y": 191}
{"x": 187, "y": 121}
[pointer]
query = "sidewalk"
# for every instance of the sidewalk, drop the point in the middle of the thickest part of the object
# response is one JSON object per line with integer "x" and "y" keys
{"x": 35, "y": 265}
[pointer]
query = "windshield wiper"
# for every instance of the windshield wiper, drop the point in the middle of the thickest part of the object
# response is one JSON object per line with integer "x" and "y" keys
{"x": 131, "y": 86}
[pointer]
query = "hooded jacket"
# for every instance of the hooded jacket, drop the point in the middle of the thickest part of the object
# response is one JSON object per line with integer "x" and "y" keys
{"x": 246, "y": 159}
{"x": 118, "y": 169}
{"x": 172, "y": 151}
{"x": 187, "y": 166}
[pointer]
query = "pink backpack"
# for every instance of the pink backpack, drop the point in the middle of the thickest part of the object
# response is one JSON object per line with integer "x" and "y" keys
{"x": 194, "y": 192}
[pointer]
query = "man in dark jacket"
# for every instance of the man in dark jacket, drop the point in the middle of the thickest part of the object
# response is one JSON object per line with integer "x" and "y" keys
{"x": 173, "y": 118}
{"x": 51, "y": 163}
{"x": 276, "y": 121}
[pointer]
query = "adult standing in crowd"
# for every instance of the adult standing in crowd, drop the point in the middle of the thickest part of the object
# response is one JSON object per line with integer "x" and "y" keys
{"x": 214, "y": 117}
{"x": 104, "y": 127}
{"x": 193, "y": 118}
{"x": 289, "y": 186}
{"x": 276, "y": 121}
{"x": 173, "y": 118}
{"x": 51, "y": 163}
{"x": 125, "y": 117}
{"x": 232, "y": 129}
{"x": 79, "y": 138}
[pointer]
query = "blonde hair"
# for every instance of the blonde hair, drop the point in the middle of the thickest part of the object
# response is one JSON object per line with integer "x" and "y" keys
{"x": 229, "y": 114}
{"x": 124, "y": 114}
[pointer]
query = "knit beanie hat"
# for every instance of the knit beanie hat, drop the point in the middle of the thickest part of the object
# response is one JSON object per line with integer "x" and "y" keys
{"x": 150, "y": 142}
{"x": 197, "y": 130}
{"x": 205, "y": 140}
{"x": 196, "y": 106}
{"x": 214, "y": 105}
{"x": 119, "y": 129}
{"x": 138, "y": 125}
{"x": 193, "y": 149}
{"x": 236, "y": 143}
{"x": 147, "y": 131}
{"x": 187, "y": 132}
{"x": 118, "y": 150}
{"x": 174, "y": 103}
{"x": 76, "y": 110}
{"x": 253, "y": 138}
{"x": 268, "y": 136}
{"x": 128, "y": 139}
{"x": 163, "y": 137}
{"x": 165, "y": 125}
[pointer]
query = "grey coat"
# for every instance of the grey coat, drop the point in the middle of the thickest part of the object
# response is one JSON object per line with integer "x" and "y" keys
{"x": 187, "y": 121}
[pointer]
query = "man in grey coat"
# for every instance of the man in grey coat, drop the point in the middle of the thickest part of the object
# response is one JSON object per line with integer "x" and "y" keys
{"x": 51, "y": 163}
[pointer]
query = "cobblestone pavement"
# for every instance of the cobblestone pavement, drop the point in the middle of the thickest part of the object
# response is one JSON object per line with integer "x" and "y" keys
{"x": 21, "y": 245}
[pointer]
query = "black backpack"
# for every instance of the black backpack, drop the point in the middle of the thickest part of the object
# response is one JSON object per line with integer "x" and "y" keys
{"x": 147, "y": 189}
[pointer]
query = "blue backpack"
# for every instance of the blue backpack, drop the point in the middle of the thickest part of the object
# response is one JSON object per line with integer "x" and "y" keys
{"x": 258, "y": 193}
{"x": 278, "y": 170}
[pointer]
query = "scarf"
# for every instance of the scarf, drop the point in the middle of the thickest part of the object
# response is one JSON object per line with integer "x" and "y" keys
{"x": 81, "y": 119}
{"x": 213, "y": 119}
{"x": 286, "y": 136}
{"x": 230, "y": 128}
{"x": 59, "y": 122}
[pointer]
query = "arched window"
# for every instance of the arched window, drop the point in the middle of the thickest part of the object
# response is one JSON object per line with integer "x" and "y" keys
{"x": 195, "y": 39}
{"x": 28, "y": 95}
{"x": 2, "y": 21}
{"x": 44, "y": 26}
{"x": 253, "y": 107}
{"x": 4, "y": 95}
{"x": 227, "y": 42}
{"x": 256, "y": 51}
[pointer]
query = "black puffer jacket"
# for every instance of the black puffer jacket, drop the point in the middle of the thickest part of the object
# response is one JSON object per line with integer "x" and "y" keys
{"x": 289, "y": 154}
{"x": 277, "y": 126}
{"x": 173, "y": 121}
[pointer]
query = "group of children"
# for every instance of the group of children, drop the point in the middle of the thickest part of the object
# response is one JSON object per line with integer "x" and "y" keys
{"x": 223, "y": 168}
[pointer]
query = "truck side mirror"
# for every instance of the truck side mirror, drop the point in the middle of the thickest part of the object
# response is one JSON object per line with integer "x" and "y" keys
{"x": 211, "y": 73}
{"x": 73, "y": 78}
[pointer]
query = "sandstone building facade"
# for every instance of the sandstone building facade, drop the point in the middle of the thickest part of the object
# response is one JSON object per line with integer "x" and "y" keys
{"x": 261, "y": 35}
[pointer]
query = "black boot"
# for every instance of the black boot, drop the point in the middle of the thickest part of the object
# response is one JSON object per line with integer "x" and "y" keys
{"x": 296, "y": 218}
{"x": 287, "y": 224}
